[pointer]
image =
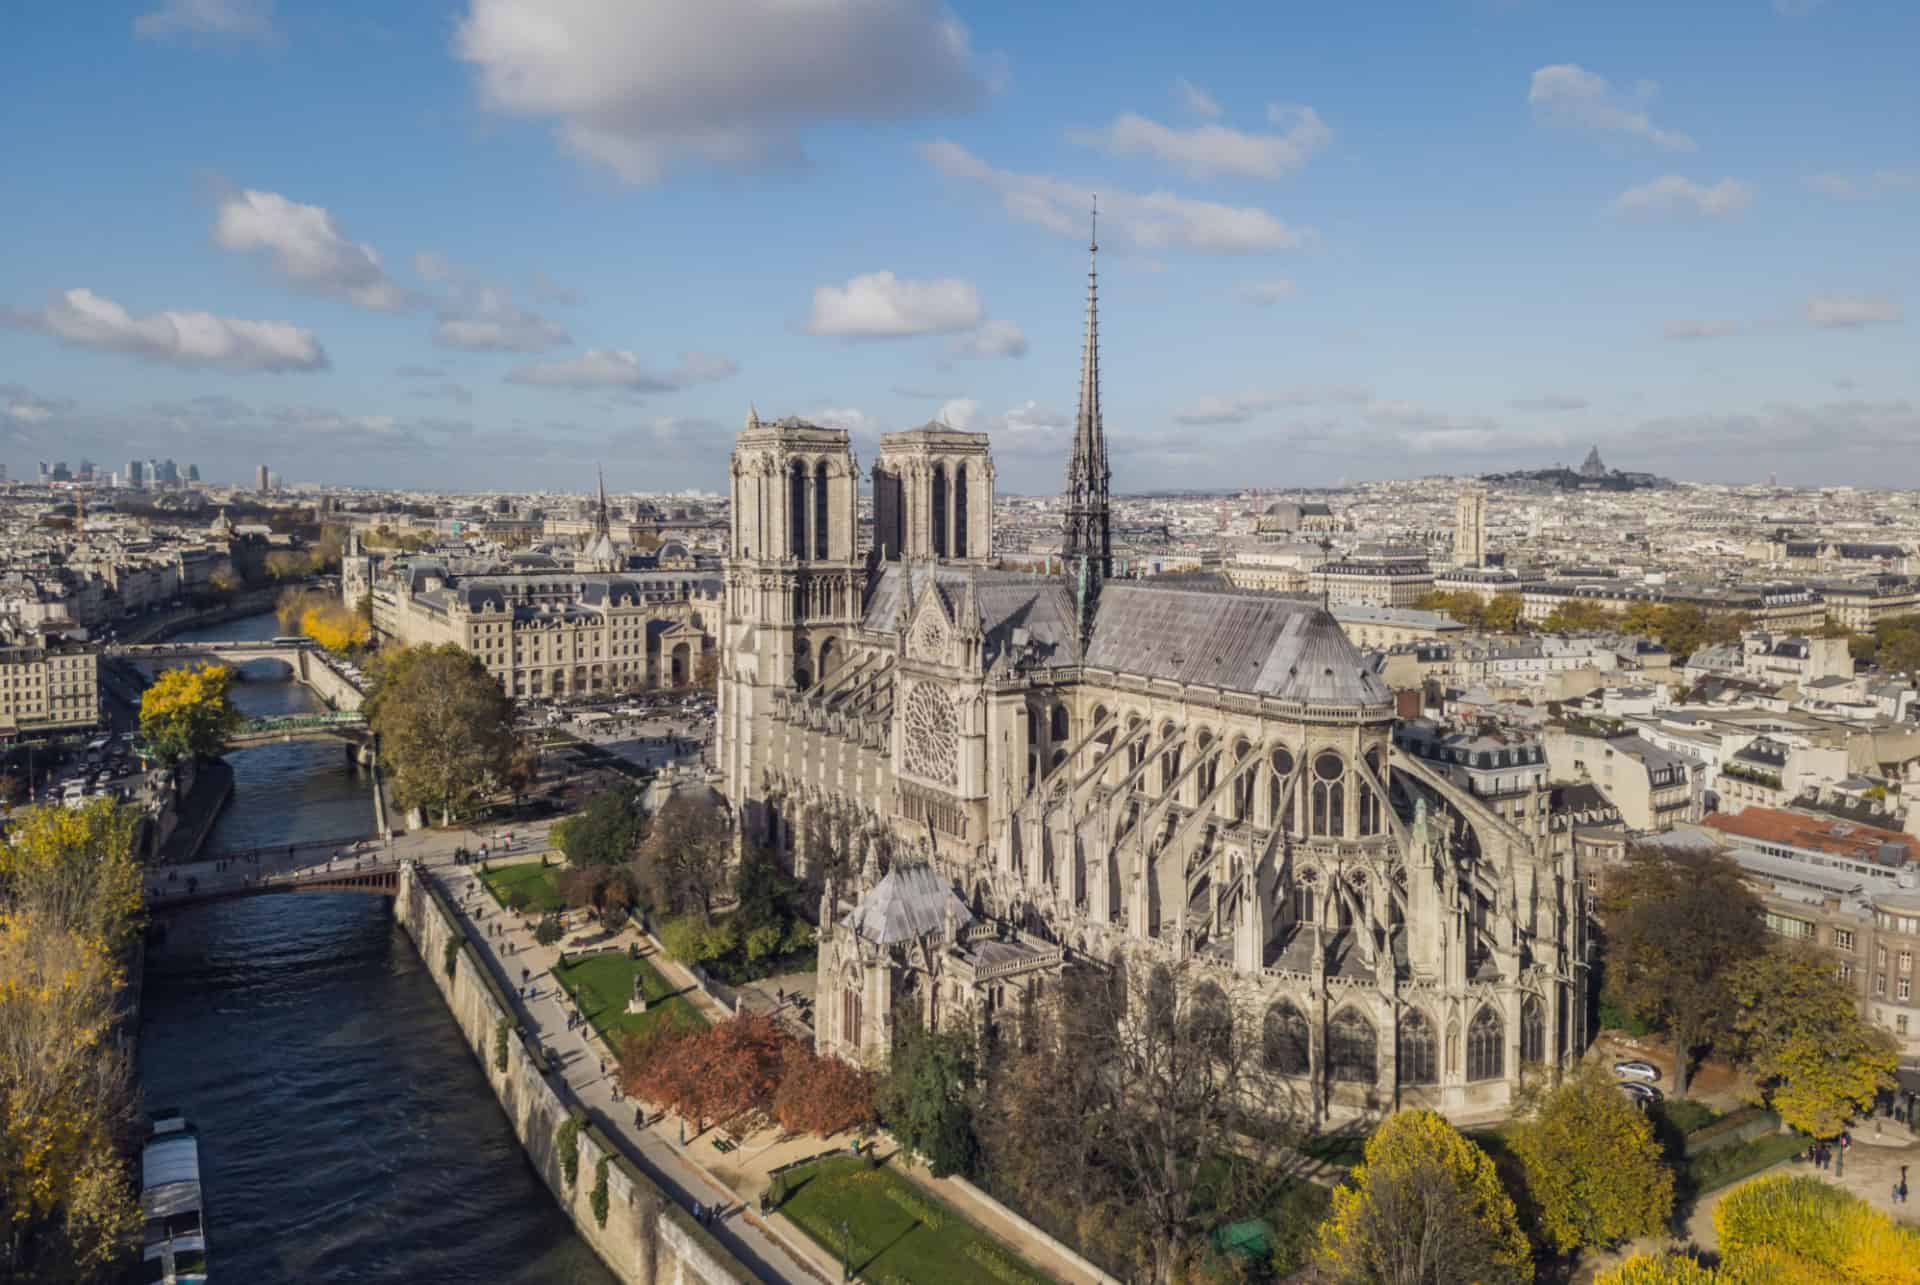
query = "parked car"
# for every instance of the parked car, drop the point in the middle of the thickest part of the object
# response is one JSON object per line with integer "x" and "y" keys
{"x": 1637, "y": 1070}
{"x": 1645, "y": 1094}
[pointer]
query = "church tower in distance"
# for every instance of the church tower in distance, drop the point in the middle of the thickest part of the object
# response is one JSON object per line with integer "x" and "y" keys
{"x": 1088, "y": 547}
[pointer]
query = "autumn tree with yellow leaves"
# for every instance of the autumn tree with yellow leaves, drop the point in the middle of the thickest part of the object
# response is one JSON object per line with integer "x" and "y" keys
{"x": 189, "y": 712}
{"x": 324, "y": 618}
{"x": 1817, "y": 1063}
{"x": 1594, "y": 1173}
{"x": 1783, "y": 1230}
{"x": 1424, "y": 1205}
{"x": 69, "y": 904}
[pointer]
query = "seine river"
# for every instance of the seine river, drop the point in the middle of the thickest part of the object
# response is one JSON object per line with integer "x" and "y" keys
{"x": 346, "y": 1133}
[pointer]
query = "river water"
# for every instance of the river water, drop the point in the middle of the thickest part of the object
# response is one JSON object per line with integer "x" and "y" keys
{"x": 346, "y": 1133}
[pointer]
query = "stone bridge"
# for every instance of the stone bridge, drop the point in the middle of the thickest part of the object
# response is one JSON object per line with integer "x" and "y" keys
{"x": 346, "y": 725}
{"x": 309, "y": 663}
{"x": 382, "y": 880}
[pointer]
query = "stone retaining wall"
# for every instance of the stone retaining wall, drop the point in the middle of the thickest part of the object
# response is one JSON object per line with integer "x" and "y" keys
{"x": 647, "y": 1238}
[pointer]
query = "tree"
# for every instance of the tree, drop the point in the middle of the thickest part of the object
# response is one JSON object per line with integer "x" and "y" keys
{"x": 1504, "y": 613}
{"x": 548, "y": 930}
{"x": 285, "y": 564}
{"x": 1685, "y": 628}
{"x": 706, "y": 671}
{"x": 188, "y": 712}
{"x": 76, "y": 868}
{"x": 1805, "y": 1230}
{"x": 445, "y": 727}
{"x": 1677, "y": 921}
{"x": 1897, "y": 645}
{"x": 1579, "y": 616}
{"x": 1645, "y": 619}
{"x": 714, "y": 1074}
{"x": 1816, "y": 1062}
{"x": 1594, "y": 1173}
{"x": 1424, "y": 1206}
{"x": 687, "y": 854}
{"x": 822, "y": 1095}
{"x": 606, "y": 832}
{"x": 70, "y": 899}
{"x": 928, "y": 1096}
{"x": 1659, "y": 1269}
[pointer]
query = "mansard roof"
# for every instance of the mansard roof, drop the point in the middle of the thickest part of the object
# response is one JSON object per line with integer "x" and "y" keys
{"x": 911, "y": 902}
{"x": 1288, "y": 648}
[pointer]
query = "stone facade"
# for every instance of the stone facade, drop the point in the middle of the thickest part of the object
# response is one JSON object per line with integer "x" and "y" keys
{"x": 993, "y": 776}
{"x": 48, "y": 687}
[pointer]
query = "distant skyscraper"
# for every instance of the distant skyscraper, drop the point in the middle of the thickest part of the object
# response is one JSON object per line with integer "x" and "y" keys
{"x": 169, "y": 471}
{"x": 133, "y": 472}
{"x": 193, "y": 472}
{"x": 46, "y": 474}
{"x": 260, "y": 479}
{"x": 61, "y": 472}
{"x": 1470, "y": 528}
{"x": 153, "y": 473}
{"x": 273, "y": 482}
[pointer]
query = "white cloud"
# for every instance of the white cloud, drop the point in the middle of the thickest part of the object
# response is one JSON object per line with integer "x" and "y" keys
{"x": 1674, "y": 194}
{"x": 546, "y": 290}
{"x": 1568, "y": 95}
{"x": 1207, "y": 151}
{"x": 1876, "y": 184}
{"x": 1238, "y": 408}
{"x": 88, "y": 320}
{"x": 880, "y": 305}
{"x": 1850, "y": 311}
{"x": 609, "y": 368}
{"x": 1195, "y": 99}
{"x": 1702, "y": 329}
{"x": 1143, "y": 220}
{"x": 1549, "y": 402}
{"x": 483, "y": 317}
{"x": 1882, "y": 430}
{"x": 640, "y": 88}
{"x": 305, "y": 248}
{"x": 1030, "y": 429}
{"x": 958, "y": 412}
{"x": 849, "y": 418}
{"x": 250, "y": 20}
{"x": 22, "y": 405}
{"x": 1266, "y": 293}
{"x": 419, "y": 372}
{"x": 992, "y": 339}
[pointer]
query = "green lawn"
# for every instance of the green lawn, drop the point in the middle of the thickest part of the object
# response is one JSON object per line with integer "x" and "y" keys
{"x": 541, "y": 883}
{"x": 900, "y": 1232}
{"x": 602, "y": 985}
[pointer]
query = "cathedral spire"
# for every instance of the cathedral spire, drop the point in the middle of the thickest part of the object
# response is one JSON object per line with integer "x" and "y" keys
{"x": 602, "y": 522}
{"x": 1088, "y": 546}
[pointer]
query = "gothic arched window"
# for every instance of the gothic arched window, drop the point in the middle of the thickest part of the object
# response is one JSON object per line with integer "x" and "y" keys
{"x": 1329, "y": 797}
{"x": 797, "y": 509}
{"x": 1533, "y": 1030}
{"x": 1062, "y": 726}
{"x": 960, "y": 510}
{"x": 937, "y": 519}
{"x": 1351, "y": 1053}
{"x": 820, "y": 522}
{"x": 1486, "y": 1046}
{"x": 1284, "y": 1042}
{"x": 1419, "y": 1054}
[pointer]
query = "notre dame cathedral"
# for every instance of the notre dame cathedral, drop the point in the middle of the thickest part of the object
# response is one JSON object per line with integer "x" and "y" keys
{"x": 994, "y": 775}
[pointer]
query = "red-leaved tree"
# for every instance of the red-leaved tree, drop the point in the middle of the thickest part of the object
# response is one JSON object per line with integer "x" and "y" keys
{"x": 822, "y": 1095}
{"x": 715, "y": 1074}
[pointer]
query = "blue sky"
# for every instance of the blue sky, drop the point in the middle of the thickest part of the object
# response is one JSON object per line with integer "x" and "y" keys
{"x": 492, "y": 243}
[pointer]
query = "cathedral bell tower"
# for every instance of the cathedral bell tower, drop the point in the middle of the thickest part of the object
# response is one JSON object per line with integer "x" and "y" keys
{"x": 1088, "y": 543}
{"x": 793, "y": 574}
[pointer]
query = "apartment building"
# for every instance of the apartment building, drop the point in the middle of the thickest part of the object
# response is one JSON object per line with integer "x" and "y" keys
{"x": 48, "y": 687}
